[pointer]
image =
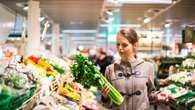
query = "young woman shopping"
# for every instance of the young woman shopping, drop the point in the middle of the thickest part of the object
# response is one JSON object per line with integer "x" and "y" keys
{"x": 132, "y": 76}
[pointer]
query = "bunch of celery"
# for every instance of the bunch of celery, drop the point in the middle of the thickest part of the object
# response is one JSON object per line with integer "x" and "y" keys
{"x": 86, "y": 73}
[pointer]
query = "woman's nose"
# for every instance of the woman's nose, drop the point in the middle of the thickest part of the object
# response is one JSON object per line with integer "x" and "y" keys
{"x": 120, "y": 47}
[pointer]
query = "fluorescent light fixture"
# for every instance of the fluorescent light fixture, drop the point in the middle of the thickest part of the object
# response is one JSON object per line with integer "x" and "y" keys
{"x": 109, "y": 13}
{"x": 14, "y": 39}
{"x": 79, "y": 31}
{"x": 145, "y": 1}
{"x": 184, "y": 25}
{"x": 147, "y": 20}
{"x": 167, "y": 25}
{"x": 26, "y": 8}
{"x": 41, "y": 18}
{"x": 19, "y": 4}
{"x": 120, "y": 25}
{"x": 76, "y": 22}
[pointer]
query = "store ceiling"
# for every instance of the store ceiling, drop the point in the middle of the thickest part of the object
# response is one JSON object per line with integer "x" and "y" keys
{"x": 180, "y": 14}
{"x": 85, "y": 14}
{"x": 70, "y": 14}
{"x": 135, "y": 13}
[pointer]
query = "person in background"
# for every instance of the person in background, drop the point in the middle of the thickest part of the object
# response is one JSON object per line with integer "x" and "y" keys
{"x": 102, "y": 59}
{"x": 92, "y": 55}
{"x": 85, "y": 52}
{"x": 157, "y": 64}
{"x": 8, "y": 54}
{"x": 131, "y": 76}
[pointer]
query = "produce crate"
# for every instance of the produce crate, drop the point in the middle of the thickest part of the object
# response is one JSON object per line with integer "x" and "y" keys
{"x": 29, "y": 104}
{"x": 5, "y": 100}
{"x": 19, "y": 100}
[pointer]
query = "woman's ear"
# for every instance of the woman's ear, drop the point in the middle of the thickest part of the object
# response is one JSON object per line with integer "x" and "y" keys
{"x": 135, "y": 45}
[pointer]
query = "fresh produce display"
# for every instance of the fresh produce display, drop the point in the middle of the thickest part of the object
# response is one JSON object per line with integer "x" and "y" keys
{"x": 86, "y": 73}
{"x": 189, "y": 63}
{"x": 70, "y": 90}
{"x": 181, "y": 78}
{"x": 47, "y": 65}
{"x": 187, "y": 100}
{"x": 47, "y": 77}
{"x": 16, "y": 84}
{"x": 174, "y": 91}
{"x": 59, "y": 64}
{"x": 178, "y": 90}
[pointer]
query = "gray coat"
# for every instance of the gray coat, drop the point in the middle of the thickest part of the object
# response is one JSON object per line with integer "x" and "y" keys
{"x": 129, "y": 77}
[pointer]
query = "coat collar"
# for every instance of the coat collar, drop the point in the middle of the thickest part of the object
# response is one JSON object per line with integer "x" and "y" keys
{"x": 133, "y": 63}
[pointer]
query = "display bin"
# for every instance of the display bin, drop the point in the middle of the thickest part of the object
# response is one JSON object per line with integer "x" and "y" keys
{"x": 5, "y": 100}
{"x": 19, "y": 100}
{"x": 187, "y": 100}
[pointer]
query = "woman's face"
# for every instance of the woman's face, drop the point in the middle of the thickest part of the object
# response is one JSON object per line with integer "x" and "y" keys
{"x": 124, "y": 47}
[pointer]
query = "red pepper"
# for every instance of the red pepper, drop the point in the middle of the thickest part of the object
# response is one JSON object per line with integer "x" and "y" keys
{"x": 49, "y": 69}
{"x": 34, "y": 59}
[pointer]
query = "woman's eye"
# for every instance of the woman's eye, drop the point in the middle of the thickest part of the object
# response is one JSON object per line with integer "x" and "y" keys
{"x": 124, "y": 45}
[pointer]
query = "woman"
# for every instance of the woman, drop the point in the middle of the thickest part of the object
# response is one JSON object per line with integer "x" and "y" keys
{"x": 131, "y": 76}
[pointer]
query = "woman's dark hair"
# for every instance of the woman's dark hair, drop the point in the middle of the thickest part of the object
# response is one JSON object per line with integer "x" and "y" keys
{"x": 102, "y": 51}
{"x": 129, "y": 34}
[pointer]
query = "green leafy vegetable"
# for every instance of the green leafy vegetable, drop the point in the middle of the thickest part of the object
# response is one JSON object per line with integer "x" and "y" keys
{"x": 86, "y": 73}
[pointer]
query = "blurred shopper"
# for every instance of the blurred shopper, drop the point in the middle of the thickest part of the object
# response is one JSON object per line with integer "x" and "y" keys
{"x": 85, "y": 52}
{"x": 157, "y": 61}
{"x": 102, "y": 59}
{"x": 9, "y": 52}
{"x": 92, "y": 55}
{"x": 133, "y": 77}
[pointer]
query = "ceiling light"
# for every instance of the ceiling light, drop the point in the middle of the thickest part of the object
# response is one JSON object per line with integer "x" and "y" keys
{"x": 147, "y": 20}
{"x": 26, "y": 8}
{"x": 76, "y": 22}
{"x": 174, "y": 1}
{"x": 19, "y": 4}
{"x": 41, "y": 18}
{"x": 167, "y": 25}
{"x": 109, "y": 12}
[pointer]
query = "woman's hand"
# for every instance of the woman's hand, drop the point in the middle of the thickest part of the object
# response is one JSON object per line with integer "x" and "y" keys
{"x": 162, "y": 81}
{"x": 105, "y": 91}
{"x": 192, "y": 81}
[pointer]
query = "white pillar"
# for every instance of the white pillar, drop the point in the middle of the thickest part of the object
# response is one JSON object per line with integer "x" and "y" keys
{"x": 33, "y": 40}
{"x": 68, "y": 44}
{"x": 56, "y": 39}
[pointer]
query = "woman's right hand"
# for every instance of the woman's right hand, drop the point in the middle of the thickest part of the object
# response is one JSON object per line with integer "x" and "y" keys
{"x": 105, "y": 91}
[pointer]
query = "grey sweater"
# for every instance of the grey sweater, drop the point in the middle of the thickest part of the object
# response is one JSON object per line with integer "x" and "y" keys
{"x": 130, "y": 78}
